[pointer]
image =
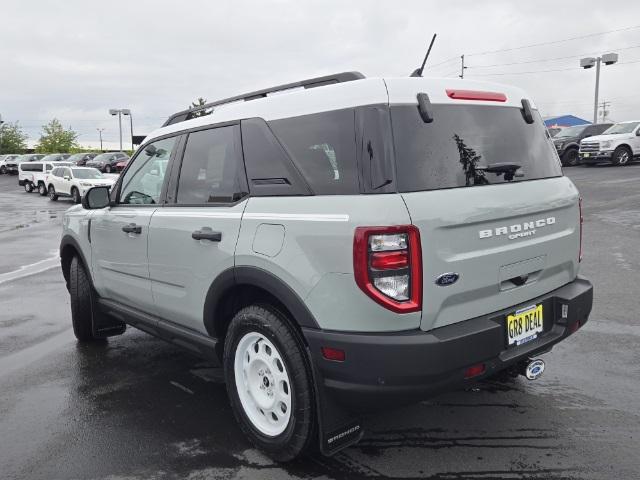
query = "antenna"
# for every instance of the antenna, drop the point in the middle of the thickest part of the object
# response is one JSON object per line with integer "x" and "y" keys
{"x": 418, "y": 72}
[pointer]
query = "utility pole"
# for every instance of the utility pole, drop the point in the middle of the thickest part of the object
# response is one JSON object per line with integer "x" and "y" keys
{"x": 603, "y": 110}
{"x": 1, "y": 123}
{"x": 462, "y": 67}
{"x": 100, "y": 130}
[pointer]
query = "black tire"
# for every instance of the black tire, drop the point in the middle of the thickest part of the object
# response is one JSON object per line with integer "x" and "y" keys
{"x": 52, "y": 193}
{"x": 3, "y": 170}
{"x": 42, "y": 189}
{"x": 81, "y": 302}
{"x": 75, "y": 195}
{"x": 28, "y": 187}
{"x": 107, "y": 168}
{"x": 299, "y": 434}
{"x": 571, "y": 158}
{"x": 621, "y": 156}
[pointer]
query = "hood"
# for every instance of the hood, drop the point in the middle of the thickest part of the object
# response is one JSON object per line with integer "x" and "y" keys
{"x": 604, "y": 138}
{"x": 557, "y": 140}
{"x": 98, "y": 181}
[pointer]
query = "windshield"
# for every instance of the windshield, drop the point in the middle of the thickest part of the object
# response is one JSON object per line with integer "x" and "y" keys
{"x": 469, "y": 145}
{"x": 571, "y": 131}
{"x": 103, "y": 157}
{"x": 626, "y": 127}
{"x": 86, "y": 173}
{"x": 76, "y": 156}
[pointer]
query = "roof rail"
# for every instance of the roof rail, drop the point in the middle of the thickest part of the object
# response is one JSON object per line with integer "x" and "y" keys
{"x": 310, "y": 83}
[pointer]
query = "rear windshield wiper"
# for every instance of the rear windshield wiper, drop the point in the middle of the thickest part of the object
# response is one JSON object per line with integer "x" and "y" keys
{"x": 509, "y": 169}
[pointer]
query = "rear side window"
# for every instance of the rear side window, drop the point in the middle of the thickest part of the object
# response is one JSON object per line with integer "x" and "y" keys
{"x": 323, "y": 148}
{"x": 464, "y": 143}
{"x": 212, "y": 170}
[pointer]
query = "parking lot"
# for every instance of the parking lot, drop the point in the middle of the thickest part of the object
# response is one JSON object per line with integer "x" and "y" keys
{"x": 135, "y": 407}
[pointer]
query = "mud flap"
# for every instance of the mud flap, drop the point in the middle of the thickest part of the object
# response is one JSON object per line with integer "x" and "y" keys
{"x": 338, "y": 427}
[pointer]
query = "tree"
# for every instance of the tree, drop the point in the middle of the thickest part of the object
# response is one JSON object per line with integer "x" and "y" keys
{"x": 55, "y": 139}
{"x": 12, "y": 138}
{"x": 200, "y": 102}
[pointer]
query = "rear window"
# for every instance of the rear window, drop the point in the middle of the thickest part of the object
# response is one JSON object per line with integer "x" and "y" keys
{"x": 322, "y": 146}
{"x": 462, "y": 141}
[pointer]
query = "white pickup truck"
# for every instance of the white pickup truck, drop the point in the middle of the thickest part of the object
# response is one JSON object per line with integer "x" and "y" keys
{"x": 619, "y": 145}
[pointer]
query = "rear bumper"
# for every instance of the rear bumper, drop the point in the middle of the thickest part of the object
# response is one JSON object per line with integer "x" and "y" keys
{"x": 399, "y": 367}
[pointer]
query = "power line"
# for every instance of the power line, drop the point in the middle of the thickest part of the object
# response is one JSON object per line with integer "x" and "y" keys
{"x": 549, "y": 59}
{"x": 542, "y": 71}
{"x": 554, "y": 42}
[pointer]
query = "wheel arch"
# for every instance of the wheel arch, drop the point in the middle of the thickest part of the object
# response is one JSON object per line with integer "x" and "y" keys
{"x": 69, "y": 248}
{"x": 240, "y": 286}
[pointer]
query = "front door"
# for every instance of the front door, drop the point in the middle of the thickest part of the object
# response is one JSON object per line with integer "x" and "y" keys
{"x": 119, "y": 234}
{"x": 193, "y": 239}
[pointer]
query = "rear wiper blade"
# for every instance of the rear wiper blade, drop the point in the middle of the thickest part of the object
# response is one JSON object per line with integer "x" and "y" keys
{"x": 509, "y": 169}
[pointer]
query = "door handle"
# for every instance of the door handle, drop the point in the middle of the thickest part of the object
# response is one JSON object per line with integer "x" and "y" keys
{"x": 205, "y": 233}
{"x": 132, "y": 228}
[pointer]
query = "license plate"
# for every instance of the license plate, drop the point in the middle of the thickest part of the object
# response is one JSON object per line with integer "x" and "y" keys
{"x": 524, "y": 325}
{"x": 586, "y": 155}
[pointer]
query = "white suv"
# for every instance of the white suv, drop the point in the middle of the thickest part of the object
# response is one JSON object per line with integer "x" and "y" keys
{"x": 620, "y": 144}
{"x": 70, "y": 181}
{"x": 32, "y": 175}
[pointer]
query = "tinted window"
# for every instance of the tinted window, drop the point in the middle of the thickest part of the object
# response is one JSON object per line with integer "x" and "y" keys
{"x": 48, "y": 167}
{"x": 142, "y": 184}
{"x": 463, "y": 141}
{"x": 212, "y": 169}
{"x": 375, "y": 149}
{"x": 323, "y": 148}
{"x": 36, "y": 167}
{"x": 269, "y": 168}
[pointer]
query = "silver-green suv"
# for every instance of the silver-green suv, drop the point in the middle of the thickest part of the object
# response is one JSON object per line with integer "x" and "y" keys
{"x": 338, "y": 244}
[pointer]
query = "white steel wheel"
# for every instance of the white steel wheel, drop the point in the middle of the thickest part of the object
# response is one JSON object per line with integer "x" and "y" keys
{"x": 263, "y": 384}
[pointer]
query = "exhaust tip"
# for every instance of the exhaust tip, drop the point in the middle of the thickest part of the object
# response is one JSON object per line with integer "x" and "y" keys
{"x": 534, "y": 369}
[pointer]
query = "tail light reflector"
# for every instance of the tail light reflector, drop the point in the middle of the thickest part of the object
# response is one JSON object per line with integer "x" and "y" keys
{"x": 334, "y": 354}
{"x": 474, "y": 370}
{"x": 387, "y": 264}
{"x": 476, "y": 95}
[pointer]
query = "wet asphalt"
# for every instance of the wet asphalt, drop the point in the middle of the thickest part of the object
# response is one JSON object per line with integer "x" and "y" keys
{"x": 137, "y": 408}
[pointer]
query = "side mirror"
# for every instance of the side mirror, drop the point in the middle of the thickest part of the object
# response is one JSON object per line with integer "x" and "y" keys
{"x": 96, "y": 197}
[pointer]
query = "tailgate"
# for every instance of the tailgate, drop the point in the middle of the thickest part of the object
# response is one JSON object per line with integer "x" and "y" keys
{"x": 508, "y": 243}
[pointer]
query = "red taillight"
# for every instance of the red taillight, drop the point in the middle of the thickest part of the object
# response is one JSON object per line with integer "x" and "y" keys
{"x": 334, "y": 354}
{"x": 476, "y": 95}
{"x": 474, "y": 370}
{"x": 581, "y": 222}
{"x": 387, "y": 264}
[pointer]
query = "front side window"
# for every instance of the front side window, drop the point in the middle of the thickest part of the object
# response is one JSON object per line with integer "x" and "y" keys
{"x": 627, "y": 127}
{"x": 48, "y": 167}
{"x": 142, "y": 184}
{"x": 323, "y": 147}
{"x": 212, "y": 169}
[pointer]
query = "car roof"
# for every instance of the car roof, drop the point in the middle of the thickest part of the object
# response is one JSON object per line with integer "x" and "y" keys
{"x": 349, "y": 94}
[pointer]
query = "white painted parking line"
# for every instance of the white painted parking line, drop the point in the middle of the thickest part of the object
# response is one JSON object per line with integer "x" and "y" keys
{"x": 31, "y": 269}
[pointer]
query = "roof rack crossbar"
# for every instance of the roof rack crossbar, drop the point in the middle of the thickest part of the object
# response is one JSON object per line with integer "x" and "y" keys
{"x": 309, "y": 83}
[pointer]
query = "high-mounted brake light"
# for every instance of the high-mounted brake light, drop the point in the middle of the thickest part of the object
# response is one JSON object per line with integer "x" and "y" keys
{"x": 581, "y": 222}
{"x": 476, "y": 95}
{"x": 387, "y": 264}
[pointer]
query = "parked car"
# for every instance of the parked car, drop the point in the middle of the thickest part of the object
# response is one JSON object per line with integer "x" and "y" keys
{"x": 120, "y": 166}
{"x": 360, "y": 244}
{"x": 33, "y": 175}
{"x": 618, "y": 145}
{"x": 74, "y": 182}
{"x": 553, "y": 131}
{"x": 80, "y": 159}
{"x": 9, "y": 164}
{"x": 106, "y": 162}
{"x": 56, "y": 157}
{"x": 567, "y": 142}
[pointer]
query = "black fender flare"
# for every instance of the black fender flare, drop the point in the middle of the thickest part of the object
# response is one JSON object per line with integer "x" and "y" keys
{"x": 257, "y": 277}
{"x": 69, "y": 241}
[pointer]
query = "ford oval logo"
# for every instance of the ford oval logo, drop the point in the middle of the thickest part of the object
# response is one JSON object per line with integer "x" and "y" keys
{"x": 447, "y": 279}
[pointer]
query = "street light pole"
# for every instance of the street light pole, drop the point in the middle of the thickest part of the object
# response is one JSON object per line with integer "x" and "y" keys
{"x": 126, "y": 111}
{"x": 118, "y": 111}
{"x": 589, "y": 62}
{"x": 100, "y": 130}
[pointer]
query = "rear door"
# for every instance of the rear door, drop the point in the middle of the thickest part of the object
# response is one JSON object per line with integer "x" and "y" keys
{"x": 192, "y": 239}
{"x": 120, "y": 232}
{"x": 508, "y": 234}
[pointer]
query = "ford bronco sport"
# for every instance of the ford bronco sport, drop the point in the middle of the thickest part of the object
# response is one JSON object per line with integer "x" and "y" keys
{"x": 346, "y": 243}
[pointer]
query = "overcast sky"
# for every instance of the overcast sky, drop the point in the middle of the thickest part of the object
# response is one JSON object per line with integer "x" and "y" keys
{"x": 75, "y": 59}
